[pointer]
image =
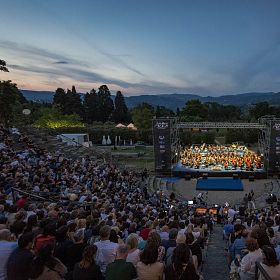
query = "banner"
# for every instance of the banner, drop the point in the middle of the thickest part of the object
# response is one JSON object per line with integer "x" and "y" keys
{"x": 162, "y": 145}
{"x": 274, "y": 151}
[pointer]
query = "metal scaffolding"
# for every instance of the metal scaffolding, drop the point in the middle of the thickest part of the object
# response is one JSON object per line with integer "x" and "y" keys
{"x": 205, "y": 125}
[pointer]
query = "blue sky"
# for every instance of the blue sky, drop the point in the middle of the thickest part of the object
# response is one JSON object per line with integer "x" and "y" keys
{"x": 205, "y": 47}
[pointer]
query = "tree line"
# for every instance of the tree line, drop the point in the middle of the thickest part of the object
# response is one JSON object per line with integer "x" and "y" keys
{"x": 98, "y": 106}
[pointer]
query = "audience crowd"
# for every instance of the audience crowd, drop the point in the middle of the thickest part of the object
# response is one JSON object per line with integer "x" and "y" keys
{"x": 221, "y": 157}
{"x": 95, "y": 221}
{"x": 86, "y": 220}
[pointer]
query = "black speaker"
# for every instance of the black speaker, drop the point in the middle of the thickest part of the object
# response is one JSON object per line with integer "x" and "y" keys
{"x": 235, "y": 176}
{"x": 188, "y": 177}
{"x": 251, "y": 178}
{"x": 204, "y": 175}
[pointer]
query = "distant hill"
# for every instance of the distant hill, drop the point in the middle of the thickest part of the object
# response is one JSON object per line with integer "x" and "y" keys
{"x": 173, "y": 101}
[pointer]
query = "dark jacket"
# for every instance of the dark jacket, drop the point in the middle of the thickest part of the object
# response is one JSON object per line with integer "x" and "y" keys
{"x": 19, "y": 264}
{"x": 90, "y": 273}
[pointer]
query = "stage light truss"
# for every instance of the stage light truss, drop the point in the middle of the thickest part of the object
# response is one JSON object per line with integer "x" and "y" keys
{"x": 205, "y": 125}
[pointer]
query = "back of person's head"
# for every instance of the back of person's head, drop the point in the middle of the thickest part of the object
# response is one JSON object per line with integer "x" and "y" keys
{"x": 189, "y": 238}
{"x": 180, "y": 257}
{"x": 49, "y": 229}
{"x": 25, "y": 240}
{"x": 270, "y": 258}
{"x": 5, "y": 234}
{"x": 173, "y": 233}
{"x": 154, "y": 238}
{"x": 44, "y": 258}
{"x": 88, "y": 256}
{"x": 113, "y": 236}
{"x": 252, "y": 244}
{"x": 61, "y": 234}
{"x": 132, "y": 241}
{"x": 122, "y": 251}
{"x": 181, "y": 239}
{"x": 79, "y": 235}
{"x": 105, "y": 232}
{"x": 149, "y": 255}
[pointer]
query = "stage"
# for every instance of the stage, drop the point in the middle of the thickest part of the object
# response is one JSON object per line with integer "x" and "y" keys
{"x": 219, "y": 184}
{"x": 180, "y": 170}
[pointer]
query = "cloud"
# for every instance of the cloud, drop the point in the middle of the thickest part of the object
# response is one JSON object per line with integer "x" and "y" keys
{"x": 61, "y": 62}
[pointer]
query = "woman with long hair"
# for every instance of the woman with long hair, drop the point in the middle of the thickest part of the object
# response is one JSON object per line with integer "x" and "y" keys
{"x": 87, "y": 269}
{"x": 45, "y": 266}
{"x": 154, "y": 239}
{"x": 270, "y": 263}
{"x": 149, "y": 268}
{"x": 182, "y": 267}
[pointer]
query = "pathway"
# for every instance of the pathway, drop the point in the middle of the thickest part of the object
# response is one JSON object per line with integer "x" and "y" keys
{"x": 215, "y": 266}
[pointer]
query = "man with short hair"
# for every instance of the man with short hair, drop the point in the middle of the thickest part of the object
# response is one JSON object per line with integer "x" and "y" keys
{"x": 6, "y": 248}
{"x": 120, "y": 268}
{"x": 106, "y": 252}
{"x": 19, "y": 262}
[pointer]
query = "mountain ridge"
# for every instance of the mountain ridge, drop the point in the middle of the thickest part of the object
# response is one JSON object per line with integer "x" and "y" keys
{"x": 176, "y": 100}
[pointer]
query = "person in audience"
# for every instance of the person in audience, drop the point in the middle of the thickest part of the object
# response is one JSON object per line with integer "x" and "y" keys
{"x": 182, "y": 267}
{"x": 87, "y": 269}
{"x": 120, "y": 268}
{"x": 171, "y": 242}
{"x": 270, "y": 263}
{"x": 75, "y": 251}
{"x": 195, "y": 249}
{"x": 154, "y": 240}
{"x": 133, "y": 255}
{"x": 149, "y": 268}
{"x": 45, "y": 266}
{"x": 107, "y": 250}
{"x": 247, "y": 264}
{"x": 20, "y": 261}
{"x": 7, "y": 246}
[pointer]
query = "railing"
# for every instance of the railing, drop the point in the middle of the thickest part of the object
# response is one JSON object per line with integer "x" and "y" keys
{"x": 260, "y": 273}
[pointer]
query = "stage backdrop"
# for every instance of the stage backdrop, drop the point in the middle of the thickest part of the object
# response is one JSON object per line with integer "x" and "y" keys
{"x": 162, "y": 146}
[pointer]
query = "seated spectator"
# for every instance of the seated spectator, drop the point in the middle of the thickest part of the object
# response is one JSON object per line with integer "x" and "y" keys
{"x": 107, "y": 250}
{"x": 47, "y": 237}
{"x": 154, "y": 240}
{"x": 46, "y": 267}
{"x": 247, "y": 264}
{"x": 133, "y": 253}
{"x": 181, "y": 267}
{"x": 120, "y": 268}
{"x": 181, "y": 239}
{"x": 239, "y": 244}
{"x": 87, "y": 269}
{"x": 195, "y": 249}
{"x": 75, "y": 251}
{"x": 20, "y": 261}
{"x": 62, "y": 244}
{"x": 6, "y": 248}
{"x": 270, "y": 263}
{"x": 149, "y": 268}
{"x": 171, "y": 242}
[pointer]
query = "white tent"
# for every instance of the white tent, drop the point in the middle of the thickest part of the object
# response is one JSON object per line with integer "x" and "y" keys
{"x": 120, "y": 125}
{"x": 132, "y": 126}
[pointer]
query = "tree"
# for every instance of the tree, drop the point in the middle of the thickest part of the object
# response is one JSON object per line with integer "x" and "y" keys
{"x": 106, "y": 104}
{"x": 142, "y": 115}
{"x": 3, "y": 66}
{"x": 91, "y": 106}
{"x": 11, "y": 100}
{"x": 194, "y": 110}
{"x": 70, "y": 102}
{"x": 261, "y": 109}
{"x": 120, "y": 114}
{"x": 162, "y": 111}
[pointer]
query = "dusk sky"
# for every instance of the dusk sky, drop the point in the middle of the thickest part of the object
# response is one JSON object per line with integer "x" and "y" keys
{"x": 205, "y": 47}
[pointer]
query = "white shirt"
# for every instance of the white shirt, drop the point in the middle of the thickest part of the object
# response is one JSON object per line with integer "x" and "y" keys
{"x": 106, "y": 253}
{"x": 133, "y": 257}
